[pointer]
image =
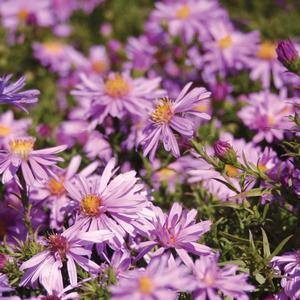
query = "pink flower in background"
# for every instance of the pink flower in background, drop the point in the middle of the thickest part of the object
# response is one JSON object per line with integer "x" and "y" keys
{"x": 17, "y": 13}
{"x": 11, "y": 128}
{"x": 117, "y": 95}
{"x": 227, "y": 49}
{"x": 35, "y": 164}
{"x": 187, "y": 19}
{"x": 268, "y": 115}
{"x": 159, "y": 280}
{"x": 211, "y": 280}
{"x": 170, "y": 117}
{"x": 266, "y": 67}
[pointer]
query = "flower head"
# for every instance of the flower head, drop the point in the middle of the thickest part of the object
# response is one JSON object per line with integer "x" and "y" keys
{"x": 170, "y": 117}
{"x": 210, "y": 280}
{"x": 35, "y": 164}
{"x": 225, "y": 152}
{"x": 160, "y": 280}
{"x": 178, "y": 230}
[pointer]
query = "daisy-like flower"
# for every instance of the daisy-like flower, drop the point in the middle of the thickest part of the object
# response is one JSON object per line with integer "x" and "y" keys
{"x": 108, "y": 203}
{"x": 11, "y": 128}
{"x": 160, "y": 280}
{"x": 16, "y": 13}
{"x": 35, "y": 164}
{"x": 117, "y": 95}
{"x": 177, "y": 116}
{"x": 98, "y": 60}
{"x": 265, "y": 66}
{"x": 54, "y": 193}
{"x": 187, "y": 18}
{"x": 58, "y": 56}
{"x": 178, "y": 230}
{"x": 67, "y": 247}
{"x": 268, "y": 114}
{"x": 211, "y": 280}
{"x": 227, "y": 49}
{"x": 10, "y": 92}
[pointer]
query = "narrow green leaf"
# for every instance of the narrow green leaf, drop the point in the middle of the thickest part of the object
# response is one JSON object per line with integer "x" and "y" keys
{"x": 279, "y": 247}
{"x": 266, "y": 245}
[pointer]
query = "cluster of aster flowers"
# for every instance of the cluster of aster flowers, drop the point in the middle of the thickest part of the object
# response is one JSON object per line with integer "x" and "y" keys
{"x": 126, "y": 196}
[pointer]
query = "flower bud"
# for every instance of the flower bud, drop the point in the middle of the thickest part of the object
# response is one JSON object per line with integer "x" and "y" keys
{"x": 225, "y": 152}
{"x": 220, "y": 90}
{"x": 288, "y": 55}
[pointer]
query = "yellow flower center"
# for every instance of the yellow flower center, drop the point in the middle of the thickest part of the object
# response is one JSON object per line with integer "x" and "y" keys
{"x": 267, "y": 51}
{"x": 166, "y": 174}
{"x": 22, "y": 146}
{"x": 163, "y": 112}
{"x": 99, "y": 66}
{"x": 231, "y": 171}
{"x": 183, "y": 12}
{"x": 56, "y": 187}
{"x": 145, "y": 285}
{"x": 203, "y": 107}
{"x": 271, "y": 120}
{"x": 263, "y": 168}
{"x": 117, "y": 87}
{"x": 4, "y": 131}
{"x": 54, "y": 47}
{"x": 90, "y": 205}
{"x": 209, "y": 279}
{"x": 23, "y": 15}
{"x": 225, "y": 42}
{"x": 3, "y": 228}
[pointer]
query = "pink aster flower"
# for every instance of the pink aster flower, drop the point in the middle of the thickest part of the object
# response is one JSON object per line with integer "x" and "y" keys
{"x": 188, "y": 18}
{"x": 11, "y": 128}
{"x": 15, "y": 13}
{"x": 227, "y": 49}
{"x": 178, "y": 230}
{"x": 108, "y": 203}
{"x": 67, "y": 247}
{"x": 33, "y": 163}
{"x": 170, "y": 117}
{"x": 160, "y": 280}
{"x": 265, "y": 66}
{"x": 98, "y": 60}
{"x": 117, "y": 95}
{"x": 267, "y": 114}
{"x": 211, "y": 280}
{"x": 59, "y": 57}
{"x": 53, "y": 191}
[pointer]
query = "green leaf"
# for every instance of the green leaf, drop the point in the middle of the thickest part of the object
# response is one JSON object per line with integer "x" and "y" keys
{"x": 279, "y": 247}
{"x": 260, "y": 279}
{"x": 266, "y": 245}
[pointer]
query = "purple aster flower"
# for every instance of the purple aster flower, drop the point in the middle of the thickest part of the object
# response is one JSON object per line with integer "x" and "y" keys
{"x": 265, "y": 66}
{"x": 141, "y": 53}
{"x": 227, "y": 49}
{"x": 98, "y": 60}
{"x": 288, "y": 265}
{"x": 108, "y": 203}
{"x": 160, "y": 280}
{"x": 53, "y": 191}
{"x": 10, "y": 128}
{"x": 118, "y": 95}
{"x": 15, "y": 13}
{"x": 225, "y": 152}
{"x": 211, "y": 280}
{"x": 268, "y": 114}
{"x": 67, "y": 247}
{"x": 33, "y": 163}
{"x": 174, "y": 116}
{"x": 178, "y": 230}
{"x": 10, "y": 92}
{"x": 187, "y": 19}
